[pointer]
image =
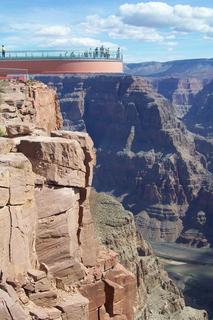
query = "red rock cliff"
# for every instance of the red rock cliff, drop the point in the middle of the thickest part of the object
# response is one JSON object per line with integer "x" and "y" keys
{"x": 52, "y": 267}
{"x": 26, "y": 107}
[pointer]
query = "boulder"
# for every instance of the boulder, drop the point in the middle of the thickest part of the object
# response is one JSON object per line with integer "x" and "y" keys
{"x": 25, "y": 107}
{"x": 74, "y": 308}
{"x": 19, "y": 216}
{"x": 15, "y": 130}
{"x": 60, "y": 161}
{"x": 10, "y": 309}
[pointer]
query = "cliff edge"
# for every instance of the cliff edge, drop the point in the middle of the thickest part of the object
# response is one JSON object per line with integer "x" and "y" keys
{"x": 52, "y": 267}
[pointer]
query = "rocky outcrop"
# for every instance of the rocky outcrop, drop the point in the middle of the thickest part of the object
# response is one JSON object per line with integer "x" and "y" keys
{"x": 52, "y": 265}
{"x": 24, "y": 108}
{"x": 48, "y": 235}
{"x": 116, "y": 230}
{"x": 158, "y": 297}
{"x": 18, "y": 215}
{"x": 145, "y": 156}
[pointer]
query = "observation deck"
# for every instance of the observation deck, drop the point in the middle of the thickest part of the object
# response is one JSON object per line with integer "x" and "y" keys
{"x": 98, "y": 60}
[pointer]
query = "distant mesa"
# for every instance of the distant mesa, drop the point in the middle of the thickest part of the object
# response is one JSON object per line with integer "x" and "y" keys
{"x": 198, "y": 68}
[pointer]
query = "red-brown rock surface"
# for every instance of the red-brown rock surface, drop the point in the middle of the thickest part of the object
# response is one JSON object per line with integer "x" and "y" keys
{"x": 145, "y": 155}
{"x": 51, "y": 262}
{"x": 18, "y": 215}
{"x": 26, "y": 107}
{"x": 52, "y": 267}
{"x": 46, "y": 225}
{"x": 158, "y": 297}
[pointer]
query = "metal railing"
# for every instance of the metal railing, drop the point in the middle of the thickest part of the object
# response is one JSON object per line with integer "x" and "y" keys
{"x": 97, "y": 54}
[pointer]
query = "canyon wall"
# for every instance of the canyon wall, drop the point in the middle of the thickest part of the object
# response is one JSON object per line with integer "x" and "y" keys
{"x": 180, "y": 92}
{"x": 157, "y": 294}
{"x": 52, "y": 265}
{"x": 145, "y": 155}
{"x": 199, "y": 119}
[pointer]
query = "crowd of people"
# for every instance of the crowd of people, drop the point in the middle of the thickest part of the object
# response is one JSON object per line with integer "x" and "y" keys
{"x": 97, "y": 53}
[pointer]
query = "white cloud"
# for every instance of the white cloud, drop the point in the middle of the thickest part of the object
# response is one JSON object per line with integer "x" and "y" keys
{"x": 60, "y": 31}
{"x": 52, "y": 36}
{"x": 208, "y": 37}
{"x": 161, "y": 15}
{"x": 172, "y": 43}
{"x": 117, "y": 29}
{"x": 145, "y": 21}
{"x": 23, "y": 27}
{"x": 170, "y": 36}
{"x": 151, "y": 14}
{"x": 78, "y": 42}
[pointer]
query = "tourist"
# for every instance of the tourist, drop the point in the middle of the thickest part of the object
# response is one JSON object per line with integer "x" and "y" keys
{"x": 102, "y": 51}
{"x": 118, "y": 53}
{"x": 96, "y": 52}
{"x": 3, "y": 51}
{"x": 108, "y": 53}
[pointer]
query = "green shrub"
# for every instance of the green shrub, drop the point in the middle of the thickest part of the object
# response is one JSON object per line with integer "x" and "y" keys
{"x": 2, "y": 133}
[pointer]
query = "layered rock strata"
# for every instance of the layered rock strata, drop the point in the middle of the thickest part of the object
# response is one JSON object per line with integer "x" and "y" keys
{"x": 145, "y": 156}
{"x": 52, "y": 267}
{"x": 200, "y": 117}
{"x": 181, "y": 92}
{"x": 26, "y": 107}
{"x": 198, "y": 223}
{"x": 158, "y": 297}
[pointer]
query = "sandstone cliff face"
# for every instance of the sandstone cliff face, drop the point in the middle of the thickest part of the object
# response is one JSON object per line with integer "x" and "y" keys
{"x": 25, "y": 108}
{"x": 52, "y": 267}
{"x": 158, "y": 297}
{"x": 145, "y": 155}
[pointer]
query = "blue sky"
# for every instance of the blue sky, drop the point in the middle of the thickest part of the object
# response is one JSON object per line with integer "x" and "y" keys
{"x": 146, "y": 30}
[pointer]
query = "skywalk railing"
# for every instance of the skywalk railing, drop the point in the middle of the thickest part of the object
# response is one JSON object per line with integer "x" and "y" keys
{"x": 97, "y": 54}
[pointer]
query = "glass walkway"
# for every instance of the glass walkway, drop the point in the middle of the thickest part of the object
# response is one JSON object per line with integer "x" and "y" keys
{"x": 97, "y": 54}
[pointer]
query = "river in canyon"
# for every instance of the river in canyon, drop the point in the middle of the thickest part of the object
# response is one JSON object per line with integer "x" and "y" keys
{"x": 192, "y": 270}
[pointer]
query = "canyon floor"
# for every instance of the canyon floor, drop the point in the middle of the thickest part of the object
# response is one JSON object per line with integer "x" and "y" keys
{"x": 192, "y": 270}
